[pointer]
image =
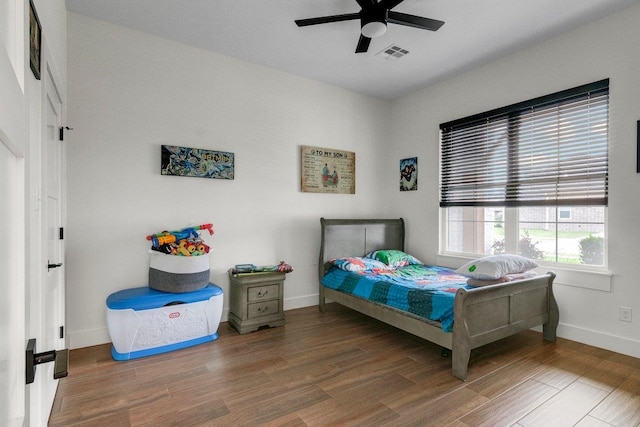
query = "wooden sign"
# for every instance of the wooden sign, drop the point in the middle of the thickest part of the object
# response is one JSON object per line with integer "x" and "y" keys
{"x": 325, "y": 170}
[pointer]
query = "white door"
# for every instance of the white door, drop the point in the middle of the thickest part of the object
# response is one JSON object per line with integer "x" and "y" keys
{"x": 54, "y": 292}
{"x": 12, "y": 290}
{"x": 31, "y": 300}
{"x": 47, "y": 296}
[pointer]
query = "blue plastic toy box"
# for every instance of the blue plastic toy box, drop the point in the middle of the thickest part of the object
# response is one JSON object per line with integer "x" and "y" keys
{"x": 143, "y": 321}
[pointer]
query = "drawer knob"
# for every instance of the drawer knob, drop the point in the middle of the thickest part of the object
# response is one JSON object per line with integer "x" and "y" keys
{"x": 263, "y": 309}
{"x": 263, "y": 294}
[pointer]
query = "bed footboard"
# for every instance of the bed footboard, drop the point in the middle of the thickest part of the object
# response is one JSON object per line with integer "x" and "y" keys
{"x": 490, "y": 313}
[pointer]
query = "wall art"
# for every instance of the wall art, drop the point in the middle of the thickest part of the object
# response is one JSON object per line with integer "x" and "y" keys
{"x": 325, "y": 170}
{"x": 196, "y": 162}
{"x": 409, "y": 174}
{"x": 35, "y": 40}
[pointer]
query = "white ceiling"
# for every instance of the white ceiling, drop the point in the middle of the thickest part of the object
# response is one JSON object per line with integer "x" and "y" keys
{"x": 263, "y": 32}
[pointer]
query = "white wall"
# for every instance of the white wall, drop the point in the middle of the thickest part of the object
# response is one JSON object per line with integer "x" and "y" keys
{"x": 607, "y": 48}
{"x": 129, "y": 93}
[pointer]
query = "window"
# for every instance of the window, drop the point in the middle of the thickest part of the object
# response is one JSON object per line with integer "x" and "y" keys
{"x": 530, "y": 178}
{"x": 564, "y": 213}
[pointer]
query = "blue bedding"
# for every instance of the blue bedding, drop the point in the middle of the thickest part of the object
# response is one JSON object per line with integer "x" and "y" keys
{"x": 424, "y": 290}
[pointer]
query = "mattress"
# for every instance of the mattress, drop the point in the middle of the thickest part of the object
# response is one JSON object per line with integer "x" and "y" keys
{"x": 424, "y": 290}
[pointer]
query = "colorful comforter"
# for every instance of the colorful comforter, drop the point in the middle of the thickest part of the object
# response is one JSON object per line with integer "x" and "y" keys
{"x": 424, "y": 290}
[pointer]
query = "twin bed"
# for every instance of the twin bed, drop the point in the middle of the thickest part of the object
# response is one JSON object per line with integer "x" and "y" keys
{"x": 466, "y": 317}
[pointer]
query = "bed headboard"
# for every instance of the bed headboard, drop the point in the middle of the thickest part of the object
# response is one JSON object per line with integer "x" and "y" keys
{"x": 357, "y": 237}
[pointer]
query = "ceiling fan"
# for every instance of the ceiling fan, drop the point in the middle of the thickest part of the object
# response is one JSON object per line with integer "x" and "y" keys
{"x": 374, "y": 16}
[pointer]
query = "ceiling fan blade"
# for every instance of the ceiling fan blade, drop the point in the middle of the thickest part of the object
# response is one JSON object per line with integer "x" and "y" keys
{"x": 414, "y": 21}
{"x": 390, "y": 4}
{"x": 327, "y": 19}
{"x": 363, "y": 44}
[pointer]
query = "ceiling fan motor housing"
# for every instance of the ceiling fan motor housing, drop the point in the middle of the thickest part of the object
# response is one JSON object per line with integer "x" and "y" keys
{"x": 373, "y": 22}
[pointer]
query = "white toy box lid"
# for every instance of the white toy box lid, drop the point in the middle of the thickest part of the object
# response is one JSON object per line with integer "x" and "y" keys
{"x": 145, "y": 298}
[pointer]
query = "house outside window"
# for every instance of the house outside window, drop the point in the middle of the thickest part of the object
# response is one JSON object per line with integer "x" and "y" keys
{"x": 531, "y": 179}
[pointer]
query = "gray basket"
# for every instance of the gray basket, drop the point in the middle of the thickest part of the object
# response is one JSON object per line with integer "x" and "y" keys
{"x": 177, "y": 283}
{"x": 178, "y": 274}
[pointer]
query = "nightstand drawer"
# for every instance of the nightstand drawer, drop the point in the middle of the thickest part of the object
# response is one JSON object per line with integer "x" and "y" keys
{"x": 261, "y": 293}
{"x": 264, "y": 308}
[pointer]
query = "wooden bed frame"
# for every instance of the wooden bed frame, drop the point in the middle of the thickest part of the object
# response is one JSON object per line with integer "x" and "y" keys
{"x": 481, "y": 315}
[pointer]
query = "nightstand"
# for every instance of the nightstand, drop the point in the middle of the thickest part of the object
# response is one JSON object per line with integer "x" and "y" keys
{"x": 256, "y": 300}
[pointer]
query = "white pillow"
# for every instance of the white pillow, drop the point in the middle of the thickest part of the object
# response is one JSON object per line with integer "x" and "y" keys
{"x": 496, "y": 266}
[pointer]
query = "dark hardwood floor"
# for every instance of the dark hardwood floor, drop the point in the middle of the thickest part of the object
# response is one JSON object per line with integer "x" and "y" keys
{"x": 343, "y": 368}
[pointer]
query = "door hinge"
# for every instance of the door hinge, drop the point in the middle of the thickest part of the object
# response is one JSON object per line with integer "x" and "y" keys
{"x": 61, "y": 332}
{"x": 50, "y": 265}
{"x": 62, "y": 128}
{"x": 61, "y": 233}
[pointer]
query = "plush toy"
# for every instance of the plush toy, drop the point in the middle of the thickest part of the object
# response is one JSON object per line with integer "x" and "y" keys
{"x": 283, "y": 267}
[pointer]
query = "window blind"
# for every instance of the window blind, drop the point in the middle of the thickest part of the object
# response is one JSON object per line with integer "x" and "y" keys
{"x": 551, "y": 150}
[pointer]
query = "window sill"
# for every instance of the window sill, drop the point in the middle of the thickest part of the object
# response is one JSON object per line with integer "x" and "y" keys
{"x": 599, "y": 280}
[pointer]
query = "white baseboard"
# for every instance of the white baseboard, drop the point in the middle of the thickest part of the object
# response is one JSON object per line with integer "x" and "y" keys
{"x": 300, "y": 302}
{"x": 598, "y": 339}
{"x": 88, "y": 338}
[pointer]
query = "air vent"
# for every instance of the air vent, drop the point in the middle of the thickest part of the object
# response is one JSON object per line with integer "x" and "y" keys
{"x": 392, "y": 52}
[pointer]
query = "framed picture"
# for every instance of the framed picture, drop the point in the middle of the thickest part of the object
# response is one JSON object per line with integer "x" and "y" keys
{"x": 196, "y": 162}
{"x": 35, "y": 40}
{"x": 409, "y": 174}
{"x": 325, "y": 170}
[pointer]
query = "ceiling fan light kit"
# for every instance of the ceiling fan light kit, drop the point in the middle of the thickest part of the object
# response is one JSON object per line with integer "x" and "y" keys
{"x": 374, "y": 16}
{"x": 374, "y": 29}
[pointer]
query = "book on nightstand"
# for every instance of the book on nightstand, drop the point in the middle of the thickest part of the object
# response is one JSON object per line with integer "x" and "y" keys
{"x": 244, "y": 268}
